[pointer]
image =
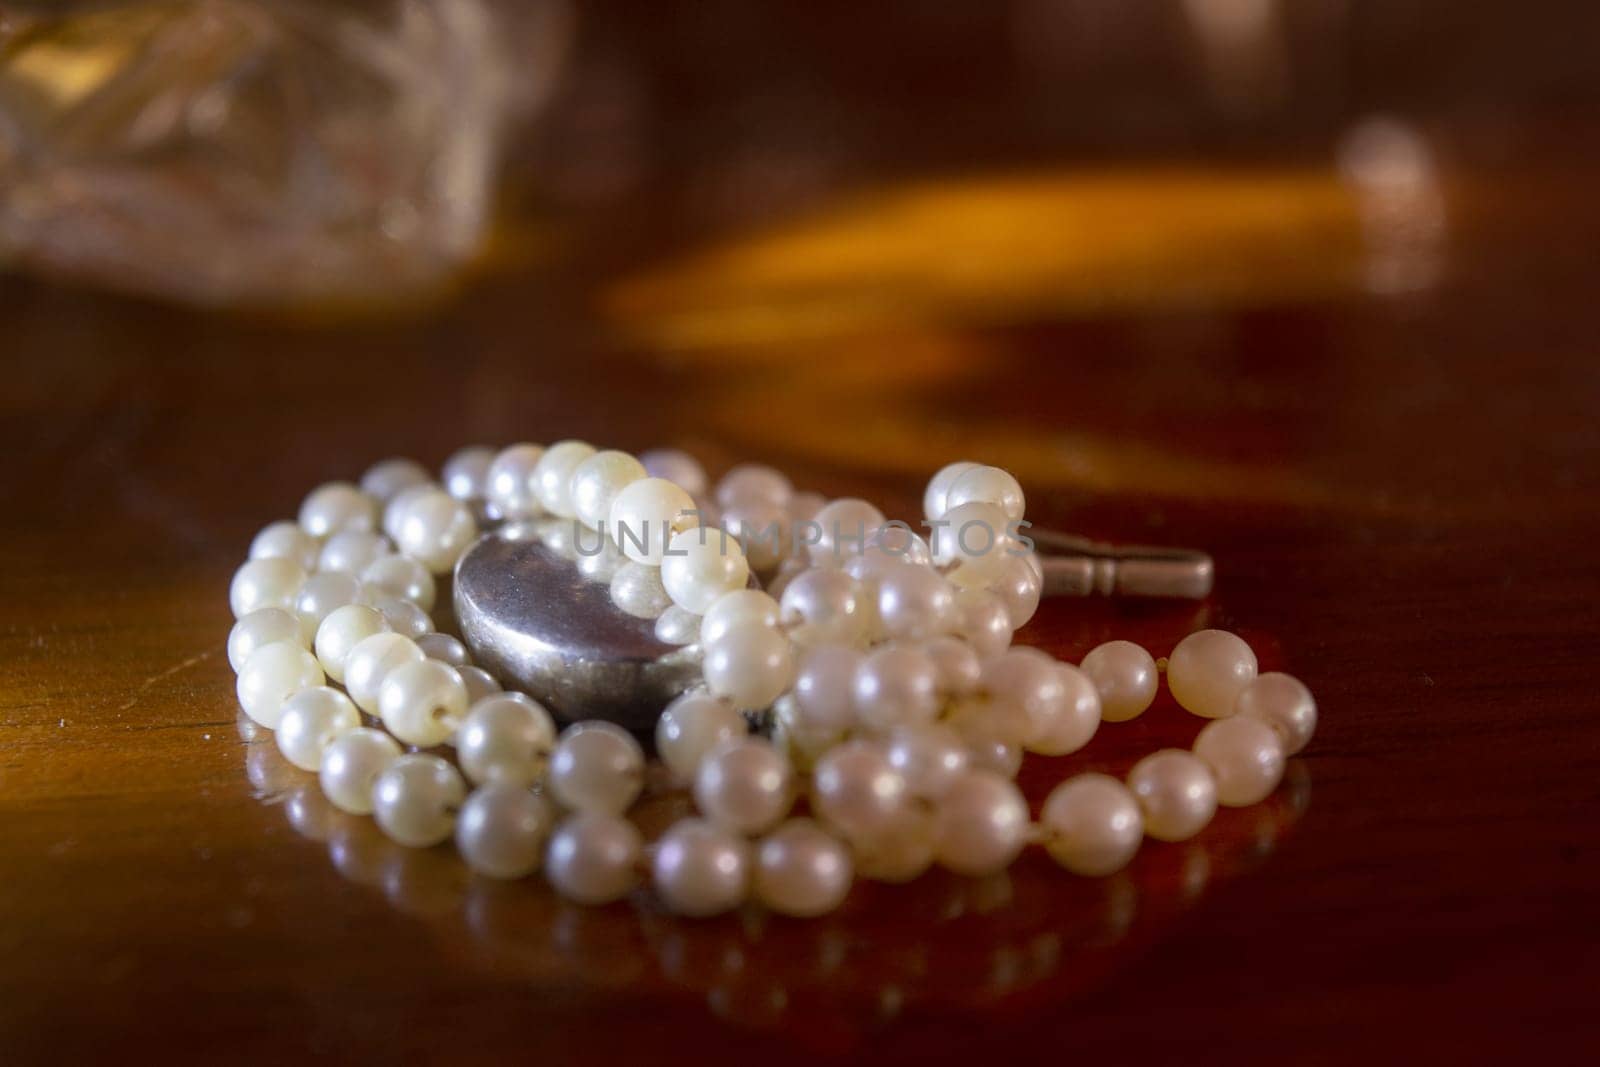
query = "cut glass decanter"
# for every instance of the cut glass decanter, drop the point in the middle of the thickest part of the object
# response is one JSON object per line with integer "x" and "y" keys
{"x": 251, "y": 151}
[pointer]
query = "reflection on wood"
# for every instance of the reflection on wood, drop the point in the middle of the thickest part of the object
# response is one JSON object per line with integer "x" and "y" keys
{"x": 972, "y": 250}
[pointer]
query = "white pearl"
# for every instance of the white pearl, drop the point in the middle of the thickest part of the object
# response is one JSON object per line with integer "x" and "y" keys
{"x": 982, "y": 824}
{"x": 341, "y": 630}
{"x": 745, "y": 785}
{"x": 1285, "y": 703}
{"x": 416, "y": 798}
{"x": 597, "y": 481}
{"x": 701, "y": 869}
{"x": 742, "y": 607}
{"x": 511, "y": 694}
{"x": 787, "y": 571}
{"x": 337, "y": 506}
{"x": 479, "y": 682}
{"x": 825, "y": 691}
{"x": 552, "y": 478}
{"x": 1019, "y": 582}
{"x": 596, "y": 766}
{"x": 896, "y": 686}
{"x": 1208, "y": 670}
{"x": 1245, "y": 756}
{"x": 868, "y": 568}
{"x": 401, "y": 576}
{"x": 801, "y": 742}
{"x": 444, "y": 648}
{"x": 677, "y": 626}
{"x": 1072, "y": 721}
{"x": 692, "y": 726}
{"x": 701, "y": 565}
{"x": 387, "y": 477}
{"x": 935, "y": 497}
{"x": 840, "y": 530}
{"x": 1092, "y": 825}
{"x": 286, "y": 540}
{"x": 351, "y": 551}
{"x": 974, "y": 536}
{"x": 857, "y": 791}
{"x": 311, "y": 719}
{"x": 897, "y": 541}
{"x": 677, "y": 467}
{"x": 754, "y": 482}
{"x": 983, "y": 621}
{"x": 802, "y": 870}
{"x": 958, "y": 664}
{"x": 265, "y": 583}
{"x": 351, "y": 764}
{"x": 591, "y": 857}
{"x": 1176, "y": 794}
{"x": 465, "y": 475}
{"x": 501, "y": 830}
{"x": 272, "y": 672}
{"x": 1030, "y": 559}
{"x": 402, "y": 615}
{"x": 820, "y": 607}
{"x": 997, "y": 755}
{"x": 320, "y": 596}
{"x": 984, "y": 717}
{"x": 915, "y": 602}
{"x": 510, "y": 481}
{"x": 902, "y": 851}
{"x": 929, "y": 757}
{"x": 1028, "y": 698}
{"x": 436, "y": 530}
{"x": 505, "y": 738}
{"x": 422, "y": 703}
{"x": 398, "y": 506}
{"x": 370, "y": 660}
{"x": 637, "y": 589}
{"x": 262, "y": 626}
{"x": 1125, "y": 676}
{"x": 646, "y": 515}
{"x": 749, "y": 667}
{"x": 988, "y": 485}
{"x": 763, "y": 529}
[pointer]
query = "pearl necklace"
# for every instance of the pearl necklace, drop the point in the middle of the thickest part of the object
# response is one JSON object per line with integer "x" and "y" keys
{"x": 879, "y": 665}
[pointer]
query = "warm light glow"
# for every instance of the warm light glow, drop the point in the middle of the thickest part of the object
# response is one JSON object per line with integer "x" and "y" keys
{"x": 1006, "y": 248}
{"x": 67, "y": 68}
{"x": 862, "y": 314}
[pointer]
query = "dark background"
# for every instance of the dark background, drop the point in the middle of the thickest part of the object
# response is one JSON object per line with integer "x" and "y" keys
{"x": 860, "y": 241}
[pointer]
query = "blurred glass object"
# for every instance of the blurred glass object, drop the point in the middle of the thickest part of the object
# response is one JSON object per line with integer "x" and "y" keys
{"x": 1390, "y": 168}
{"x": 262, "y": 151}
{"x": 1243, "y": 51}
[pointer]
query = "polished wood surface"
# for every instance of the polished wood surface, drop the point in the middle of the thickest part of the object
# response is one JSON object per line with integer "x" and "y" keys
{"x": 1174, "y": 332}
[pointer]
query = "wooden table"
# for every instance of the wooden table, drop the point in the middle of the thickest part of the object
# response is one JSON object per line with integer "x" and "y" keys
{"x": 1398, "y": 473}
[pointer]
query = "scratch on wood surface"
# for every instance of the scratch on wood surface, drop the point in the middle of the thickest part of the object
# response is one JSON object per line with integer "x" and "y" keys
{"x": 144, "y": 686}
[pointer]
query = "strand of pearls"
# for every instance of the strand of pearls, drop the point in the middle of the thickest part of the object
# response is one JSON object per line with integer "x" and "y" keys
{"x": 878, "y": 663}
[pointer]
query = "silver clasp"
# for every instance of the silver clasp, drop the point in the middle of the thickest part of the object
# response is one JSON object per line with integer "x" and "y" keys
{"x": 1078, "y": 566}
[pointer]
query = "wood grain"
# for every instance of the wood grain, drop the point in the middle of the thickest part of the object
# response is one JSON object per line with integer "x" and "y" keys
{"x": 1402, "y": 494}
